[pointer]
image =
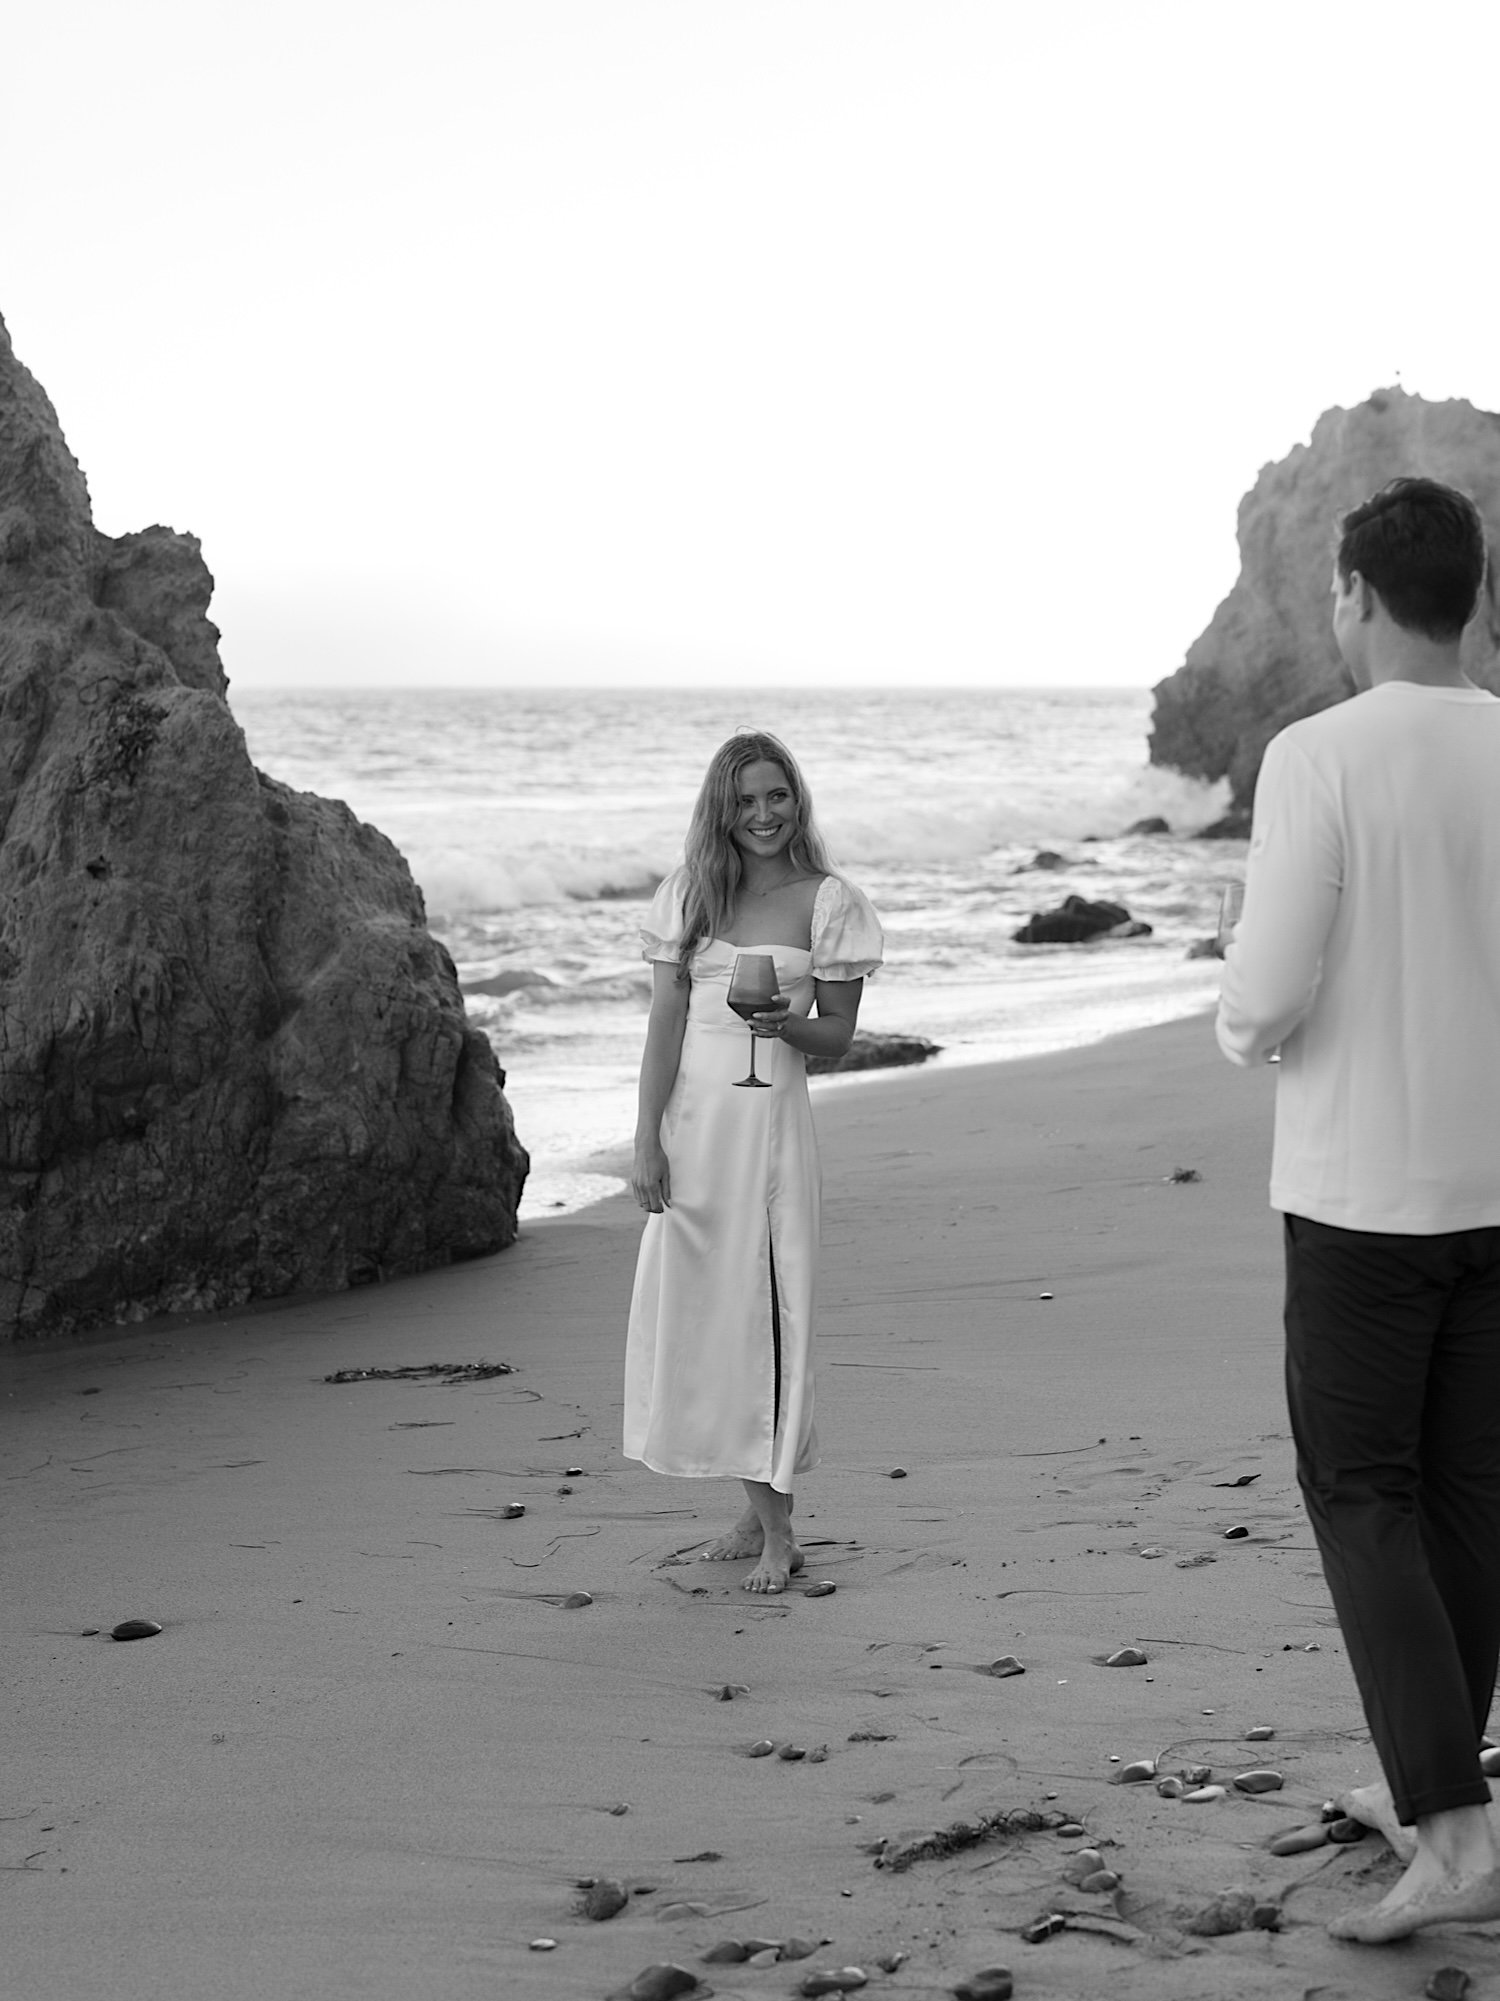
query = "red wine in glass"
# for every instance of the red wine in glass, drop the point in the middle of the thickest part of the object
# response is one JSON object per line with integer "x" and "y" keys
{"x": 752, "y": 989}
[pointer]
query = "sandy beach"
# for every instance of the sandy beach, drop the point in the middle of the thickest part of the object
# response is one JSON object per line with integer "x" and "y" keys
{"x": 375, "y": 1750}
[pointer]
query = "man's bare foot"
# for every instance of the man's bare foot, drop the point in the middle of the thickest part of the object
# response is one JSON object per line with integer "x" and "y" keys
{"x": 1372, "y": 1806}
{"x": 779, "y": 1563}
{"x": 746, "y": 1538}
{"x": 1423, "y": 1897}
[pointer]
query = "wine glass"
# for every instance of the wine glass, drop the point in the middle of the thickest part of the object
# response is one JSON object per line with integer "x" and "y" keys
{"x": 751, "y": 989}
{"x": 1231, "y": 903}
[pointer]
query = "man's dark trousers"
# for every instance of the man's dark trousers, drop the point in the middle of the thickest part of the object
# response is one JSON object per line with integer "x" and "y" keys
{"x": 1393, "y": 1384}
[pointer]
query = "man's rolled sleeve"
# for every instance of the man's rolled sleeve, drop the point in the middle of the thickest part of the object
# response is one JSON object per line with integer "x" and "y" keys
{"x": 1292, "y": 881}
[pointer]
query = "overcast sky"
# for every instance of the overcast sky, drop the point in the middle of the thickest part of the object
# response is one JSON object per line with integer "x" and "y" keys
{"x": 731, "y": 341}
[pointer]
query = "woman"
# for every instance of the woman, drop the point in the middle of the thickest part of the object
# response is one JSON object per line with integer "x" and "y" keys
{"x": 718, "y": 1375}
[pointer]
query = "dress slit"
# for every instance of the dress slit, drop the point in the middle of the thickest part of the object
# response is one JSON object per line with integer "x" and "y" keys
{"x": 775, "y": 1337}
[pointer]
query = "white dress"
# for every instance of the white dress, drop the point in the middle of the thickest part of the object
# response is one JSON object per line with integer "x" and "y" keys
{"x": 718, "y": 1361}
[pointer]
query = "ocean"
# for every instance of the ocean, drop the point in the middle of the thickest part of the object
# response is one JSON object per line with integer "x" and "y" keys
{"x": 538, "y": 822}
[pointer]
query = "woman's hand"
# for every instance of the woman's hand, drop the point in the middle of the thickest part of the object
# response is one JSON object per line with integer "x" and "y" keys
{"x": 651, "y": 1177}
{"x": 769, "y": 1023}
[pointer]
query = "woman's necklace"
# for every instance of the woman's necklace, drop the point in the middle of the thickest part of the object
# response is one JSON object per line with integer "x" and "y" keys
{"x": 772, "y": 888}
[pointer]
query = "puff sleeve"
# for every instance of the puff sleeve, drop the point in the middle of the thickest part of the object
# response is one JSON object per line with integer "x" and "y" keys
{"x": 661, "y": 934}
{"x": 847, "y": 941}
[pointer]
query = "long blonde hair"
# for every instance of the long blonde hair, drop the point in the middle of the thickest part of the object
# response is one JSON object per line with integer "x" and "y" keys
{"x": 712, "y": 867}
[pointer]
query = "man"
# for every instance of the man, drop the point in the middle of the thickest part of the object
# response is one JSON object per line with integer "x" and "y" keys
{"x": 1368, "y": 954}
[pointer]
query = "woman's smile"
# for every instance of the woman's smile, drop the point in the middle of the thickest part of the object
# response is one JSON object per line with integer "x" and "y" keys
{"x": 767, "y": 817}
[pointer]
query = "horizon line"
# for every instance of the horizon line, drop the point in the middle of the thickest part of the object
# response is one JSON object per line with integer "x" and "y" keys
{"x": 696, "y": 687}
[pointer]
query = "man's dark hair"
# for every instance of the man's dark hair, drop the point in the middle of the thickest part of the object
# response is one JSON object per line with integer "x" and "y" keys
{"x": 1420, "y": 545}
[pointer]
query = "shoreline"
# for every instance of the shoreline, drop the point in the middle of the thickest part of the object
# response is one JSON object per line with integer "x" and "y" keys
{"x": 378, "y": 1744}
{"x": 612, "y": 1163}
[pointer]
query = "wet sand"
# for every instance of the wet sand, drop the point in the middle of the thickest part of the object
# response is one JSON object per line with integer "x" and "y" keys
{"x": 374, "y": 1750}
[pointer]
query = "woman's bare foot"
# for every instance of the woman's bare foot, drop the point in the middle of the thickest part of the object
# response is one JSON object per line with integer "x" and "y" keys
{"x": 780, "y": 1561}
{"x": 780, "y": 1558}
{"x": 1372, "y": 1806}
{"x": 746, "y": 1538}
{"x": 1454, "y": 1878}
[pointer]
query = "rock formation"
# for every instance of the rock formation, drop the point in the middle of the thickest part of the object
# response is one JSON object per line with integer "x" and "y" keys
{"x": 1076, "y": 920}
{"x": 233, "y": 1062}
{"x": 1268, "y": 657}
{"x": 875, "y": 1052}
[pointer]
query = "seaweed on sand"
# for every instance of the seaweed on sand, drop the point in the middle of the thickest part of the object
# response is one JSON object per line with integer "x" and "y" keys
{"x": 445, "y": 1372}
{"x": 901, "y": 1852}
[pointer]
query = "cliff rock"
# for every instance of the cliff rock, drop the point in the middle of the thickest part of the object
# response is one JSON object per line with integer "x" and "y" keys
{"x": 1268, "y": 657}
{"x": 233, "y": 1062}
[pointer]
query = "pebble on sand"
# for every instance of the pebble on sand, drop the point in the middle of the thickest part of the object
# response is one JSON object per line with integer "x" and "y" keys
{"x": 576, "y": 1600}
{"x": 512, "y": 1511}
{"x": 1006, "y": 1665}
{"x": 542, "y": 1945}
{"x": 1260, "y": 1781}
{"x": 1205, "y": 1795}
{"x": 572, "y": 1472}
{"x": 818, "y": 1755}
{"x": 761, "y": 1749}
{"x": 1449, "y": 1983}
{"x": 898, "y": 1472}
{"x": 991, "y": 1983}
{"x": 1261, "y": 1733}
{"x": 824, "y": 1588}
{"x": 1196, "y": 1775}
{"x": 790, "y": 1753}
{"x": 1125, "y": 1657}
{"x": 1044, "y": 1927}
{"x": 1233, "y": 1911}
{"x": 135, "y": 1629}
{"x": 1101, "y": 1881}
{"x": 1171, "y": 1788}
{"x": 728, "y": 1952}
{"x": 1237, "y": 1533}
{"x": 1346, "y": 1831}
{"x": 730, "y": 1690}
{"x": 657, "y": 1983}
{"x": 834, "y": 1980}
{"x": 1138, "y": 1770}
{"x": 1087, "y": 1862}
{"x": 800, "y": 1948}
{"x": 605, "y": 1899}
{"x": 1300, "y": 1840}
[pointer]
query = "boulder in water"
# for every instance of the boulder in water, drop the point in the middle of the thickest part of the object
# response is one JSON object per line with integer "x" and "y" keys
{"x": 876, "y": 1052}
{"x": 1076, "y": 920}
